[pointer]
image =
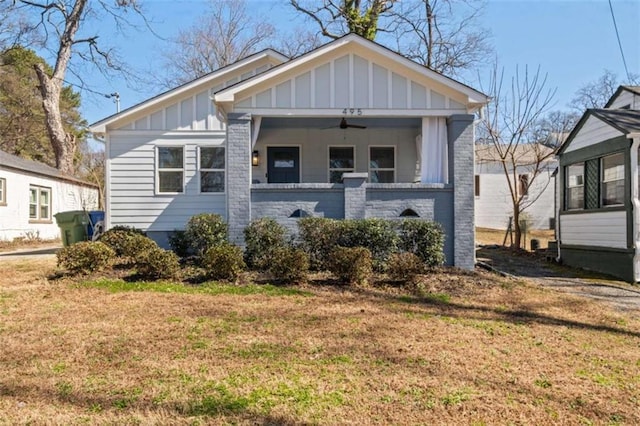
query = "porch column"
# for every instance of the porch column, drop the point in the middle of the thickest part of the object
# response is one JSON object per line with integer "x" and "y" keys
{"x": 238, "y": 175}
{"x": 355, "y": 195}
{"x": 460, "y": 131}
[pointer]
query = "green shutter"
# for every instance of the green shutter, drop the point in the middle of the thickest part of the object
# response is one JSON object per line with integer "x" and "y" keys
{"x": 592, "y": 183}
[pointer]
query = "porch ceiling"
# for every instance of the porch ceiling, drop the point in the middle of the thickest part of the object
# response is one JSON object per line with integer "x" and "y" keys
{"x": 325, "y": 123}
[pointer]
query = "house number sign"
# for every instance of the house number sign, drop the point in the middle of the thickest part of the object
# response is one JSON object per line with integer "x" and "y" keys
{"x": 352, "y": 111}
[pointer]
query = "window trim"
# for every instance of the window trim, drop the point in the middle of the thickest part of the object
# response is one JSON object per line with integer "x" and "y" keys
{"x": 200, "y": 170}
{"x": 3, "y": 191}
{"x": 602, "y": 181}
{"x": 39, "y": 190}
{"x": 476, "y": 185}
{"x": 343, "y": 170}
{"x": 524, "y": 192}
{"x": 567, "y": 186}
{"x": 158, "y": 170}
{"x": 384, "y": 169}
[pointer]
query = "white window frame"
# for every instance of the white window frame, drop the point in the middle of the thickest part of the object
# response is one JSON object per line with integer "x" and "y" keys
{"x": 383, "y": 169}
{"x": 604, "y": 181}
{"x": 343, "y": 170}
{"x": 3, "y": 191}
{"x": 38, "y": 204}
{"x": 568, "y": 186}
{"x": 201, "y": 169}
{"x": 159, "y": 170}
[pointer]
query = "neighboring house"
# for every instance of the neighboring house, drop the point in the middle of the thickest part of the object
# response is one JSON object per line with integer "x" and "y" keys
{"x": 493, "y": 196}
{"x": 31, "y": 193}
{"x": 349, "y": 130}
{"x": 598, "y": 223}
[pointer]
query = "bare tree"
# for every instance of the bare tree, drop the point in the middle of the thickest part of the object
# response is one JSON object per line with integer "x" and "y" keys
{"x": 507, "y": 124}
{"x": 553, "y": 128}
{"x": 339, "y": 17}
{"x": 227, "y": 32}
{"x": 298, "y": 42}
{"x": 443, "y": 35}
{"x": 595, "y": 94}
{"x": 65, "y": 35}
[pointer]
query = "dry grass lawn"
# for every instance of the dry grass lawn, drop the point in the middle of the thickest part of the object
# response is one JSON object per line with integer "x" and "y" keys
{"x": 475, "y": 350}
{"x": 496, "y": 236}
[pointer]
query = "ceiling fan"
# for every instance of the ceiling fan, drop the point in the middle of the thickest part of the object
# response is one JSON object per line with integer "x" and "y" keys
{"x": 344, "y": 125}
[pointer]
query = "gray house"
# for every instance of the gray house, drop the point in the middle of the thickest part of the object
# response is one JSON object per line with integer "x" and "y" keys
{"x": 598, "y": 224}
{"x": 349, "y": 130}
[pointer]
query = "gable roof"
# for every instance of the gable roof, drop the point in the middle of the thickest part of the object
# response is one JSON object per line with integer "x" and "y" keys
{"x": 228, "y": 95}
{"x": 633, "y": 89}
{"x": 625, "y": 120}
{"x": 13, "y": 162}
{"x": 525, "y": 154}
{"x": 100, "y": 126}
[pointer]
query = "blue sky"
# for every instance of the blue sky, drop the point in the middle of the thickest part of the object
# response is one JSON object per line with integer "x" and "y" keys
{"x": 573, "y": 41}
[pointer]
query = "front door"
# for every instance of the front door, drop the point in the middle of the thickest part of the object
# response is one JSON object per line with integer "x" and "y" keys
{"x": 283, "y": 164}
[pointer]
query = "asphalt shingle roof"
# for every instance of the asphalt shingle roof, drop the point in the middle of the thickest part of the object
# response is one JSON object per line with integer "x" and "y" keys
{"x": 14, "y": 162}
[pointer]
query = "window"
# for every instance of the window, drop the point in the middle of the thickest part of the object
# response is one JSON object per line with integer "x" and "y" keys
{"x": 3, "y": 192}
{"x": 523, "y": 185}
{"x": 382, "y": 164}
{"x": 212, "y": 163}
{"x": 476, "y": 185}
{"x": 39, "y": 203}
{"x": 574, "y": 186}
{"x": 341, "y": 160}
{"x": 613, "y": 180}
{"x": 170, "y": 169}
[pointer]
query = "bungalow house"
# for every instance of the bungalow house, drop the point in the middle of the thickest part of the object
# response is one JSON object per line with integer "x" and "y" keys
{"x": 599, "y": 210}
{"x": 349, "y": 130}
{"x": 31, "y": 193}
{"x": 492, "y": 192}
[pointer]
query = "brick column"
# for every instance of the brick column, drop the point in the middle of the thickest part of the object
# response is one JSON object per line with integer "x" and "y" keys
{"x": 355, "y": 195}
{"x": 238, "y": 175}
{"x": 460, "y": 135}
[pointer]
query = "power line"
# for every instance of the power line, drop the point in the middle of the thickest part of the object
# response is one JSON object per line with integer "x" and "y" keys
{"x": 615, "y": 25}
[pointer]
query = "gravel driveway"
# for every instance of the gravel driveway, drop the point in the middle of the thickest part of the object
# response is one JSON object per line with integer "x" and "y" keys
{"x": 536, "y": 268}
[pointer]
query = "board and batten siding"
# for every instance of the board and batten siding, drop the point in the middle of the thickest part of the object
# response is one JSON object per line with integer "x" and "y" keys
{"x": 605, "y": 229}
{"x": 132, "y": 198}
{"x": 192, "y": 111}
{"x": 351, "y": 81}
{"x": 626, "y": 99}
{"x": 593, "y": 131}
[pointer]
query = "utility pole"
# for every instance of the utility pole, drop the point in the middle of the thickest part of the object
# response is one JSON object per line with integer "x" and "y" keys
{"x": 116, "y": 99}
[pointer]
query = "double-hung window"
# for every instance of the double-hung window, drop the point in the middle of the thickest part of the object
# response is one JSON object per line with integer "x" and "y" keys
{"x": 574, "y": 186}
{"x": 3, "y": 192}
{"x": 341, "y": 160}
{"x": 612, "y": 167}
{"x": 382, "y": 164}
{"x": 39, "y": 203}
{"x": 212, "y": 163}
{"x": 170, "y": 161}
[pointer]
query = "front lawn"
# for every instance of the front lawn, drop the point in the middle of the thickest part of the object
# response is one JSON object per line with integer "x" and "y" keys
{"x": 472, "y": 349}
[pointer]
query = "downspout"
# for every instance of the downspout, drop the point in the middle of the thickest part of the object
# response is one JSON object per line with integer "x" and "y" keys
{"x": 635, "y": 202}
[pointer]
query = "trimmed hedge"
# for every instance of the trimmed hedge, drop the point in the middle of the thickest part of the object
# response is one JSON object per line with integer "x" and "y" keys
{"x": 127, "y": 242}
{"x": 423, "y": 238}
{"x": 319, "y": 237}
{"x": 379, "y": 236}
{"x": 85, "y": 256}
{"x": 289, "y": 265}
{"x": 352, "y": 265}
{"x": 156, "y": 263}
{"x": 262, "y": 237}
{"x": 405, "y": 266}
{"x": 204, "y": 231}
{"x": 223, "y": 262}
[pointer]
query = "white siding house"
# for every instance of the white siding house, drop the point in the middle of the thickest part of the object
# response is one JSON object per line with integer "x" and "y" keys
{"x": 32, "y": 193}
{"x": 493, "y": 196}
{"x": 349, "y": 130}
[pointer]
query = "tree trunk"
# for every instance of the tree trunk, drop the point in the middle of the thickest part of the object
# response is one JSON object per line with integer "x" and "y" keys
{"x": 516, "y": 227}
{"x": 429, "y": 10}
{"x": 64, "y": 144}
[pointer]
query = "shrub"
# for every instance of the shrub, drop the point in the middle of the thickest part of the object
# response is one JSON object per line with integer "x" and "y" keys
{"x": 262, "y": 237}
{"x": 289, "y": 265}
{"x": 223, "y": 262}
{"x": 85, "y": 256}
{"x": 405, "y": 266}
{"x": 127, "y": 242}
{"x": 319, "y": 238}
{"x": 179, "y": 243}
{"x": 156, "y": 263}
{"x": 204, "y": 231}
{"x": 351, "y": 264}
{"x": 377, "y": 235}
{"x": 423, "y": 238}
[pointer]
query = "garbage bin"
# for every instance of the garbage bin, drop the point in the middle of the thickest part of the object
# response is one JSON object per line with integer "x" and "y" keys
{"x": 73, "y": 226}
{"x": 96, "y": 224}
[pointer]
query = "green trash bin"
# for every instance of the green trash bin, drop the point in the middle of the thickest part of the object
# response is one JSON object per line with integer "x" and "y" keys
{"x": 73, "y": 226}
